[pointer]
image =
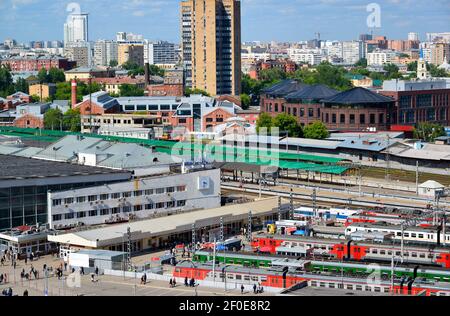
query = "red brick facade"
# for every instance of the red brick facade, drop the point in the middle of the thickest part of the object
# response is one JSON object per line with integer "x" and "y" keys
{"x": 167, "y": 90}
{"x": 29, "y": 121}
{"x": 35, "y": 64}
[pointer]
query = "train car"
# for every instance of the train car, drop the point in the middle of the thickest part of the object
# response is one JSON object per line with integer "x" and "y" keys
{"x": 283, "y": 277}
{"x": 340, "y": 215}
{"x": 420, "y": 235}
{"x": 356, "y": 251}
{"x": 349, "y": 268}
{"x": 385, "y": 271}
{"x": 366, "y": 218}
{"x": 277, "y": 278}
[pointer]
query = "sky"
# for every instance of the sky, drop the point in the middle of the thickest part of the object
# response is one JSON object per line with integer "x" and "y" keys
{"x": 262, "y": 20}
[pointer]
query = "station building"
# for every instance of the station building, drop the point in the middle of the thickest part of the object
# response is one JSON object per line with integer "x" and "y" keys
{"x": 152, "y": 234}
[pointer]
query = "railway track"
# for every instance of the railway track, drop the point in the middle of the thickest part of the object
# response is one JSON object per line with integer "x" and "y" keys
{"x": 332, "y": 200}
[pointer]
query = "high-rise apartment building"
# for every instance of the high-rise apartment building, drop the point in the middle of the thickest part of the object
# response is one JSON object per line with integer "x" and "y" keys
{"x": 76, "y": 29}
{"x": 413, "y": 37}
{"x": 440, "y": 53}
{"x": 211, "y": 45}
{"x": 162, "y": 53}
{"x": 105, "y": 51}
{"x": 131, "y": 52}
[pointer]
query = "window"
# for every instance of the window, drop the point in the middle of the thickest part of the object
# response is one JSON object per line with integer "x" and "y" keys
{"x": 115, "y": 196}
{"x": 56, "y": 202}
{"x": 57, "y": 217}
{"x": 69, "y": 216}
{"x": 137, "y": 193}
{"x": 126, "y": 194}
{"x": 352, "y": 118}
{"x": 181, "y": 203}
{"x": 115, "y": 210}
{"x": 126, "y": 209}
{"x": 170, "y": 204}
{"x": 342, "y": 119}
{"x": 160, "y": 191}
{"x": 362, "y": 119}
{"x": 104, "y": 197}
{"x": 170, "y": 190}
{"x": 81, "y": 199}
{"x": 137, "y": 208}
{"x": 149, "y": 206}
{"x": 160, "y": 205}
{"x": 68, "y": 200}
{"x": 104, "y": 211}
{"x": 181, "y": 188}
{"x": 81, "y": 214}
{"x": 148, "y": 192}
{"x": 92, "y": 213}
{"x": 92, "y": 198}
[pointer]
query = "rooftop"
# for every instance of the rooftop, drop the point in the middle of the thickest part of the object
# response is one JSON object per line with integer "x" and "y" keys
{"x": 104, "y": 236}
{"x": 358, "y": 96}
{"x": 315, "y": 92}
{"x": 15, "y": 168}
{"x": 284, "y": 88}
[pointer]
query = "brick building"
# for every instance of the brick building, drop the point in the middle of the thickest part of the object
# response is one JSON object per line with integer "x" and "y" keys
{"x": 419, "y": 101}
{"x": 21, "y": 64}
{"x": 355, "y": 109}
{"x": 284, "y": 65}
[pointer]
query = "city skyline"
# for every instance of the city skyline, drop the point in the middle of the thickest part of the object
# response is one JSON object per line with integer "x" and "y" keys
{"x": 159, "y": 20}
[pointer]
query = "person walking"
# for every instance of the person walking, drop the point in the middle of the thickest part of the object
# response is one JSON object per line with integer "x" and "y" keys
{"x": 254, "y": 288}
{"x": 186, "y": 282}
{"x": 96, "y": 271}
{"x": 25, "y": 293}
{"x": 171, "y": 283}
{"x": 174, "y": 282}
{"x": 242, "y": 289}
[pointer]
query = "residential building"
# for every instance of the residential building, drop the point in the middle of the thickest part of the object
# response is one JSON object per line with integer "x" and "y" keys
{"x": 35, "y": 63}
{"x": 112, "y": 85}
{"x": 131, "y": 53}
{"x": 439, "y": 37}
{"x": 76, "y": 29}
{"x": 440, "y": 53}
{"x": 43, "y": 91}
{"x": 81, "y": 73}
{"x": 302, "y": 56}
{"x": 105, "y": 52}
{"x": 162, "y": 53}
{"x": 211, "y": 45}
{"x": 381, "y": 57}
{"x": 413, "y": 37}
{"x": 353, "y": 51}
{"x": 80, "y": 53}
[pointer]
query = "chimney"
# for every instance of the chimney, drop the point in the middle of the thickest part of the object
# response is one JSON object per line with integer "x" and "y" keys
{"x": 74, "y": 93}
{"x": 147, "y": 73}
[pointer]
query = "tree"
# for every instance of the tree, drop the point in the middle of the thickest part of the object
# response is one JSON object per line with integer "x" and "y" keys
{"x": 113, "y": 63}
{"x": 56, "y": 75}
{"x": 264, "y": 121}
{"x": 316, "y": 130}
{"x": 129, "y": 90}
{"x": 72, "y": 120}
{"x": 436, "y": 72}
{"x": 190, "y": 91}
{"x": 6, "y": 82}
{"x": 288, "y": 123}
{"x": 245, "y": 101}
{"x": 53, "y": 119}
{"x": 271, "y": 75}
{"x": 428, "y": 132}
{"x": 21, "y": 85}
{"x": 392, "y": 71}
{"x": 412, "y": 66}
{"x": 156, "y": 71}
{"x": 64, "y": 90}
{"x": 361, "y": 63}
{"x": 35, "y": 98}
{"x": 43, "y": 75}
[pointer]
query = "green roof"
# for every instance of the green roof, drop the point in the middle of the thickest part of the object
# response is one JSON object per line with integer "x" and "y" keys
{"x": 218, "y": 153}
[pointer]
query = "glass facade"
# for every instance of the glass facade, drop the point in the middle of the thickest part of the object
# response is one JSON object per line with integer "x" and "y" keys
{"x": 28, "y": 205}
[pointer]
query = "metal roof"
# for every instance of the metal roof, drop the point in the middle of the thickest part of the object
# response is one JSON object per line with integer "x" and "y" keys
{"x": 101, "y": 237}
{"x": 315, "y": 92}
{"x": 358, "y": 96}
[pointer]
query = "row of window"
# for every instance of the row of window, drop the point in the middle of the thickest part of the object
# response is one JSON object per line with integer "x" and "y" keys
{"x": 107, "y": 196}
{"x": 117, "y": 210}
{"x": 351, "y": 287}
